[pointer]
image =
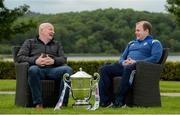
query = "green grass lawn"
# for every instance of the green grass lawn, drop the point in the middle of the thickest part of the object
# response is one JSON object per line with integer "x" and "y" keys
{"x": 7, "y": 85}
{"x": 170, "y": 105}
{"x": 165, "y": 86}
{"x": 170, "y": 86}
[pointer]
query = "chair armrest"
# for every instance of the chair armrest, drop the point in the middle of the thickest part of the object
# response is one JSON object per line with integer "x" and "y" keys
{"x": 147, "y": 77}
{"x": 148, "y": 71}
{"x": 147, "y": 64}
{"x": 22, "y": 64}
{"x": 148, "y": 68}
{"x": 21, "y": 67}
{"x": 21, "y": 74}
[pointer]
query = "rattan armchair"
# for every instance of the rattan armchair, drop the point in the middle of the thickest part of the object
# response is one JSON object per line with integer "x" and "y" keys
{"x": 50, "y": 88}
{"x": 145, "y": 89}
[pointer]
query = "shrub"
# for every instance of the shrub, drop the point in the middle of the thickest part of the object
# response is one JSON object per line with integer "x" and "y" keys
{"x": 5, "y": 49}
{"x": 171, "y": 70}
{"x": 7, "y": 70}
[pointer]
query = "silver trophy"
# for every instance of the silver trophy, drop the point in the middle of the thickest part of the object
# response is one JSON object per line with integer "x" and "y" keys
{"x": 81, "y": 87}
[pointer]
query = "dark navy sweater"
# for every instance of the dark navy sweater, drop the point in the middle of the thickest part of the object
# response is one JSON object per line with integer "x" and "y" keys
{"x": 148, "y": 50}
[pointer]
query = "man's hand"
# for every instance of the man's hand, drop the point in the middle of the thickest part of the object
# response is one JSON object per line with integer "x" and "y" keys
{"x": 129, "y": 61}
{"x": 44, "y": 60}
{"x": 49, "y": 60}
{"x": 40, "y": 60}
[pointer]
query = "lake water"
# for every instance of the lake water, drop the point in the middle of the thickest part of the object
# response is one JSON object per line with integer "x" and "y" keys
{"x": 170, "y": 58}
{"x": 77, "y": 58}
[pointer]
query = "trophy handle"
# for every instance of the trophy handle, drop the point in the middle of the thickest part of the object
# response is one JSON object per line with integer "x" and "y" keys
{"x": 66, "y": 77}
{"x": 96, "y": 76}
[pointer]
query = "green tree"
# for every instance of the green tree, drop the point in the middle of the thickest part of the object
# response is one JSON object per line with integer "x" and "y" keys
{"x": 8, "y": 27}
{"x": 101, "y": 31}
{"x": 173, "y": 6}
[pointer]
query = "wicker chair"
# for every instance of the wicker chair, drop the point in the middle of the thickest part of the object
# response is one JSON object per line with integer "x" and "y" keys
{"x": 145, "y": 90}
{"x": 50, "y": 88}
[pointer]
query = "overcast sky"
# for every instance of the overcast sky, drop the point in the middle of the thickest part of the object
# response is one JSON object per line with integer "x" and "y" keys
{"x": 58, "y": 6}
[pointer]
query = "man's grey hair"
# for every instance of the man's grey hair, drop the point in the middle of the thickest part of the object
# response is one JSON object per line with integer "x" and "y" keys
{"x": 43, "y": 25}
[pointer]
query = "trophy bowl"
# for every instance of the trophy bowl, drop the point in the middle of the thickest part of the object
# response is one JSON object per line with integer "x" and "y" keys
{"x": 81, "y": 88}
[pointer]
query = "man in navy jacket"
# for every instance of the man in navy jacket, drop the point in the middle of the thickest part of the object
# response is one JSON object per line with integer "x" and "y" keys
{"x": 144, "y": 48}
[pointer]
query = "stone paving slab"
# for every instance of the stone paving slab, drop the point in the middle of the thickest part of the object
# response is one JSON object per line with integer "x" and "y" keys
{"x": 170, "y": 94}
{"x": 7, "y": 92}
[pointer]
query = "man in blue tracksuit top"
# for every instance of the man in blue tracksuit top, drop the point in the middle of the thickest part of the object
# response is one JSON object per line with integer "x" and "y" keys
{"x": 144, "y": 48}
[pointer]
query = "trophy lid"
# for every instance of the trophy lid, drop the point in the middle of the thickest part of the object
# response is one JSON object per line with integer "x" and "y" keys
{"x": 81, "y": 74}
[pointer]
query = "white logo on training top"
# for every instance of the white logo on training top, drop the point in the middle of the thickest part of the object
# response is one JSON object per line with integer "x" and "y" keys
{"x": 145, "y": 43}
{"x": 155, "y": 41}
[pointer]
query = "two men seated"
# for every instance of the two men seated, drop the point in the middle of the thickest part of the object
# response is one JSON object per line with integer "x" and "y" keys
{"x": 47, "y": 61}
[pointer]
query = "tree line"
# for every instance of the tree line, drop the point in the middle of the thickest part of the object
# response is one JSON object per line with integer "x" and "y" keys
{"x": 100, "y": 31}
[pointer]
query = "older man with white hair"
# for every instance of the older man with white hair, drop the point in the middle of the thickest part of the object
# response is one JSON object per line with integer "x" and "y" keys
{"x": 46, "y": 59}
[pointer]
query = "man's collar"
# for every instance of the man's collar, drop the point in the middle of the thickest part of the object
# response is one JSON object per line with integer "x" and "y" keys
{"x": 146, "y": 38}
{"x": 37, "y": 37}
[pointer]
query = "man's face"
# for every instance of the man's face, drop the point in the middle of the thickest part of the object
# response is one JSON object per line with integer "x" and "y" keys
{"x": 48, "y": 32}
{"x": 140, "y": 32}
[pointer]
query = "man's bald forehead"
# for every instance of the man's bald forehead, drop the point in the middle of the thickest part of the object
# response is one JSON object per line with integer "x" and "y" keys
{"x": 43, "y": 25}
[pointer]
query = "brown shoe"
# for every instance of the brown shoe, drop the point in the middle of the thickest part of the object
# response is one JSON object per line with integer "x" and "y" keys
{"x": 39, "y": 106}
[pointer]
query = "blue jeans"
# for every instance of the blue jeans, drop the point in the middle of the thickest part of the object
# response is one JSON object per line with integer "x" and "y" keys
{"x": 36, "y": 74}
{"x": 107, "y": 73}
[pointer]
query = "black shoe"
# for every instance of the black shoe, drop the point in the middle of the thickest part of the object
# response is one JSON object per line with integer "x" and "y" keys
{"x": 118, "y": 104}
{"x": 106, "y": 105}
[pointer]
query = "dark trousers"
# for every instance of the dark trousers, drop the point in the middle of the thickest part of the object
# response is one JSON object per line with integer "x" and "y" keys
{"x": 107, "y": 72}
{"x": 36, "y": 74}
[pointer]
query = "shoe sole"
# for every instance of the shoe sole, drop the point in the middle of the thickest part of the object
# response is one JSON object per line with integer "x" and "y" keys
{"x": 110, "y": 105}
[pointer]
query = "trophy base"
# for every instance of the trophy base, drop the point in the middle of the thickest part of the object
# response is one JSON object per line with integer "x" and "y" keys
{"x": 81, "y": 106}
